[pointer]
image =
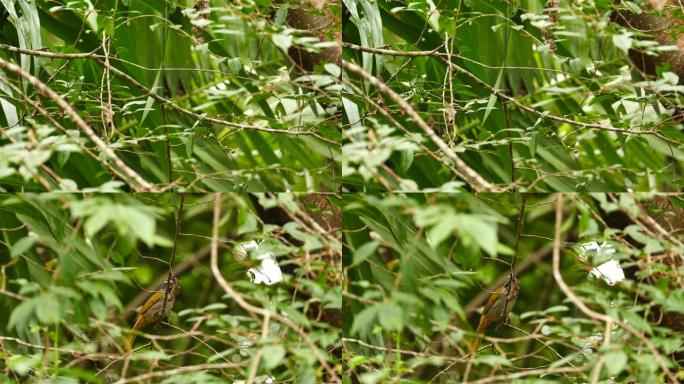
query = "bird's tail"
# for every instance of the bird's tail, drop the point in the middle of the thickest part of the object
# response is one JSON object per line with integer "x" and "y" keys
{"x": 479, "y": 334}
{"x": 131, "y": 336}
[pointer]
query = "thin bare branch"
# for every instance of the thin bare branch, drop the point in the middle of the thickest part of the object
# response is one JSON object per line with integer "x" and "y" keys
{"x": 138, "y": 183}
{"x": 471, "y": 176}
{"x": 586, "y": 310}
{"x": 252, "y": 308}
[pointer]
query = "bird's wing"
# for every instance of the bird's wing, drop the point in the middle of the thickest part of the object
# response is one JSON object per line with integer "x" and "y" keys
{"x": 491, "y": 300}
{"x": 153, "y": 298}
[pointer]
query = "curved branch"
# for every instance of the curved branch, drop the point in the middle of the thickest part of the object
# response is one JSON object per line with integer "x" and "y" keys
{"x": 446, "y": 59}
{"x": 252, "y": 308}
{"x": 100, "y": 59}
{"x": 530, "y": 372}
{"x": 214, "y": 120}
{"x": 583, "y": 307}
{"x": 475, "y": 179}
{"x": 140, "y": 183}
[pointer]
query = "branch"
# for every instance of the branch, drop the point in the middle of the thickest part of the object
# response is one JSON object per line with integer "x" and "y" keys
{"x": 257, "y": 357}
{"x": 142, "y": 184}
{"x": 446, "y": 59}
{"x": 529, "y": 262}
{"x": 401, "y": 351}
{"x": 171, "y": 372}
{"x": 254, "y": 309}
{"x": 383, "y": 110}
{"x": 214, "y": 120}
{"x": 475, "y": 179}
{"x": 177, "y": 270}
{"x": 52, "y": 55}
{"x": 13, "y": 295}
{"x": 100, "y": 59}
{"x": 602, "y": 359}
{"x": 77, "y": 140}
{"x": 586, "y": 310}
{"x": 531, "y": 372}
{"x": 179, "y": 216}
{"x": 73, "y": 352}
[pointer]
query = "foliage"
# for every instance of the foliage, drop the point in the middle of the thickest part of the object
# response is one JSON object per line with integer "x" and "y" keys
{"x": 391, "y": 157}
{"x": 541, "y": 99}
{"x": 191, "y": 98}
{"x": 421, "y": 265}
{"x": 75, "y": 267}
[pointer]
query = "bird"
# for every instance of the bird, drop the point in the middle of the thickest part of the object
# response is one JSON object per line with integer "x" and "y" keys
{"x": 497, "y": 308}
{"x": 151, "y": 311}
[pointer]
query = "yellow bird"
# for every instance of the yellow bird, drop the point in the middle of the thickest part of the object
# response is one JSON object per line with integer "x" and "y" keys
{"x": 151, "y": 311}
{"x": 496, "y": 309}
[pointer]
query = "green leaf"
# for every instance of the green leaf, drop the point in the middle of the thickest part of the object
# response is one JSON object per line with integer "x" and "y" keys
{"x": 48, "y": 309}
{"x": 391, "y": 316}
{"x": 272, "y": 355}
{"x": 675, "y": 301}
{"x": 623, "y": 41}
{"x": 282, "y": 41}
{"x": 8, "y": 108}
{"x": 151, "y": 355}
{"x": 616, "y": 361}
{"x": 142, "y": 222}
{"x": 556, "y": 308}
{"x": 98, "y": 308}
{"x": 493, "y": 360}
{"x": 405, "y": 160}
{"x": 22, "y": 314}
{"x": 281, "y": 14}
{"x": 296, "y": 316}
{"x": 23, "y": 245}
{"x": 492, "y": 97}
{"x": 479, "y": 229}
{"x": 96, "y": 222}
{"x": 23, "y": 364}
{"x": 646, "y": 361}
{"x": 534, "y": 137}
{"x": 363, "y": 321}
{"x": 637, "y": 321}
{"x": 150, "y": 99}
{"x": 358, "y": 360}
{"x": 364, "y": 252}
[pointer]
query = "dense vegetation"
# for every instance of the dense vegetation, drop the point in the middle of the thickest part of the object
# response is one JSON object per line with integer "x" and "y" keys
{"x": 498, "y": 95}
{"x": 75, "y": 268}
{"x": 341, "y": 191}
{"x": 151, "y": 95}
{"x": 421, "y": 266}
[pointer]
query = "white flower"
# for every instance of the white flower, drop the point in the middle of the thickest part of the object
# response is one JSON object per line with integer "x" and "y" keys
{"x": 609, "y": 271}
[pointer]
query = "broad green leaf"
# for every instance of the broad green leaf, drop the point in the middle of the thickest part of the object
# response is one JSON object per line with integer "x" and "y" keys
{"x": 492, "y": 98}
{"x": 22, "y": 314}
{"x": 364, "y": 252}
{"x": 272, "y": 355}
{"x": 616, "y": 361}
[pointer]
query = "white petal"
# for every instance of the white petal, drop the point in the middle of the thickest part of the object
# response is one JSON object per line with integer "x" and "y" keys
{"x": 609, "y": 271}
{"x": 268, "y": 272}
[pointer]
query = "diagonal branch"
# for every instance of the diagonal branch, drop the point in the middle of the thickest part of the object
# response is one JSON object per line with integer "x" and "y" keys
{"x": 213, "y": 120}
{"x": 583, "y": 307}
{"x": 446, "y": 60}
{"x": 472, "y": 177}
{"x": 63, "y": 129}
{"x": 252, "y": 309}
{"x": 104, "y": 61}
{"x": 139, "y": 184}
